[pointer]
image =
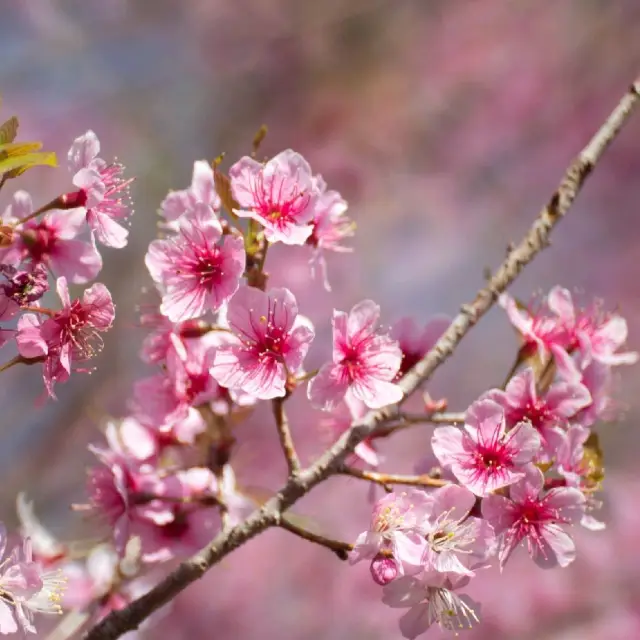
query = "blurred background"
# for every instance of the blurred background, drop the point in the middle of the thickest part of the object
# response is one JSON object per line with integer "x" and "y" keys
{"x": 446, "y": 125}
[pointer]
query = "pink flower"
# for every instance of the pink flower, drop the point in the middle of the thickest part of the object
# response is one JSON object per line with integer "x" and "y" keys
{"x": 395, "y": 528}
{"x": 365, "y": 362}
{"x": 158, "y": 406}
{"x": 192, "y": 524}
{"x": 415, "y": 341}
{"x": 557, "y": 323}
{"x": 596, "y": 377}
{"x": 280, "y": 195}
{"x": 196, "y": 274}
{"x": 22, "y": 287}
{"x": 71, "y": 335}
{"x": 123, "y": 494}
{"x": 330, "y": 227}
{"x": 104, "y": 193}
{"x": 456, "y": 542}
{"x": 274, "y": 341}
{"x": 520, "y": 401}
{"x": 594, "y": 332}
{"x": 484, "y": 456}
{"x": 529, "y": 515}
{"x": 343, "y": 416}
{"x": 51, "y": 241}
{"x": 26, "y": 589}
{"x": 430, "y": 604}
{"x": 201, "y": 191}
{"x": 540, "y": 327}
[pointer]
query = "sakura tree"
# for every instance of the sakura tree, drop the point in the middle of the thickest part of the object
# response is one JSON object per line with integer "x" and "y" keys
{"x": 519, "y": 466}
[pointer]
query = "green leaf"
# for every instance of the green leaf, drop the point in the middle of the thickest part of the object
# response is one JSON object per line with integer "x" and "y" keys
{"x": 16, "y": 158}
{"x": 9, "y": 130}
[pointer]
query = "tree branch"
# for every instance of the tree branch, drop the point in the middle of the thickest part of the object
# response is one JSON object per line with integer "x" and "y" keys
{"x": 282, "y": 423}
{"x": 341, "y": 549}
{"x": 537, "y": 238}
{"x": 388, "y": 479}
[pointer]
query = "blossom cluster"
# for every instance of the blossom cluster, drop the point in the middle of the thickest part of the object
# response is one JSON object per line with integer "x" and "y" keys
{"x": 522, "y": 468}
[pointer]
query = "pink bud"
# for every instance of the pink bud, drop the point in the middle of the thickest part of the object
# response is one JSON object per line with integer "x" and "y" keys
{"x": 72, "y": 200}
{"x": 383, "y": 569}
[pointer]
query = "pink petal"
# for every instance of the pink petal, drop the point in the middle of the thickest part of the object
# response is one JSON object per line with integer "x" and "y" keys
{"x": 202, "y": 183}
{"x": 291, "y": 234}
{"x": 484, "y": 421}
{"x": 557, "y": 548}
{"x": 63, "y": 291}
{"x": 566, "y": 399}
{"x": 76, "y": 260}
{"x": 30, "y": 342}
{"x": 377, "y": 393}
{"x": 363, "y": 319}
{"x": 561, "y": 303}
{"x": 328, "y": 387}
{"x": 524, "y": 441}
{"x": 100, "y": 310}
{"x": 83, "y": 150}
{"x": 244, "y": 175}
{"x": 447, "y": 445}
{"x": 107, "y": 230}
{"x": 416, "y": 621}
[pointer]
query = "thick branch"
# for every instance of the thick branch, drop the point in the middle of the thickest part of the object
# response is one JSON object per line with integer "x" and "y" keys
{"x": 286, "y": 441}
{"x": 127, "y": 619}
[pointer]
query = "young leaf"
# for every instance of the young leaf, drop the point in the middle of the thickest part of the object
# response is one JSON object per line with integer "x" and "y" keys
{"x": 9, "y": 130}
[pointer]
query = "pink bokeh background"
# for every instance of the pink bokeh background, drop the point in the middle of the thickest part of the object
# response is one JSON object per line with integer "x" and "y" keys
{"x": 446, "y": 125}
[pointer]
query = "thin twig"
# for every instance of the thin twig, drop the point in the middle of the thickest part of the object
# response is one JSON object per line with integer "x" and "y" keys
{"x": 537, "y": 238}
{"x": 388, "y": 479}
{"x": 341, "y": 549}
{"x": 282, "y": 423}
{"x": 406, "y": 420}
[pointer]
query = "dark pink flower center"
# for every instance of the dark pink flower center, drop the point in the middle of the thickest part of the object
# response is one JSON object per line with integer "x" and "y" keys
{"x": 494, "y": 458}
{"x": 204, "y": 264}
{"x": 536, "y": 412}
{"x": 40, "y": 240}
{"x": 278, "y": 204}
{"x": 196, "y": 383}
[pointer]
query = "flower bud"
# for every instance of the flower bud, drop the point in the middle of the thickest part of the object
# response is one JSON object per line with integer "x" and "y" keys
{"x": 384, "y": 569}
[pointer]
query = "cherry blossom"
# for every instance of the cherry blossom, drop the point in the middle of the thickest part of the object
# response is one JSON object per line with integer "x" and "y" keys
{"x": 430, "y": 604}
{"x": 281, "y": 195}
{"x": 456, "y": 542}
{"x": 330, "y": 227}
{"x": 484, "y": 456}
{"x": 69, "y": 336}
{"x": 201, "y": 192}
{"x": 50, "y": 241}
{"x": 26, "y": 589}
{"x": 103, "y": 194}
{"x": 365, "y": 362}
{"x": 416, "y": 341}
{"x": 274, "y": 340}
{"x": 520, "y": 400}
{"x": 395, "y": 529}
{"x": 535, "y": 517}
{"x": 196, "y": 273}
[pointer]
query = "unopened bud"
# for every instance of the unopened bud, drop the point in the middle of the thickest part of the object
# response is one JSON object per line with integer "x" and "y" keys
{"x": 384, "y": 569}
{"x": 71, "y": 200}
